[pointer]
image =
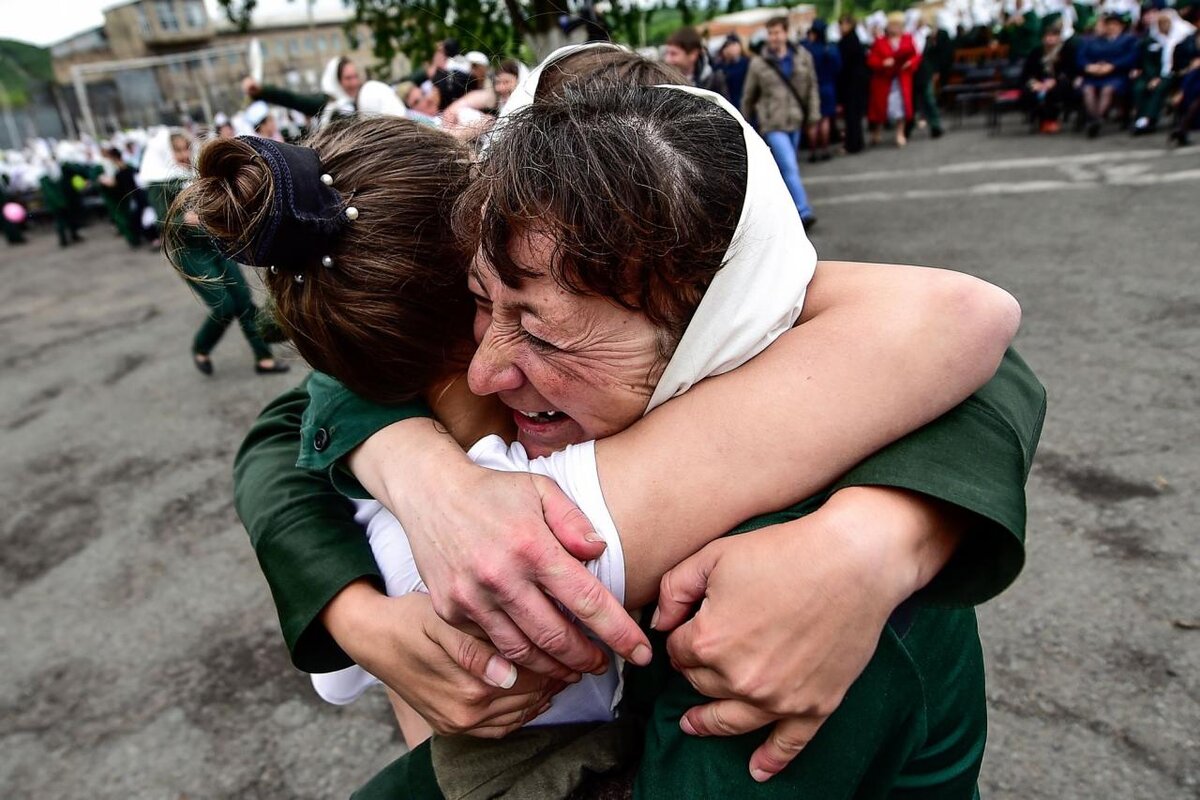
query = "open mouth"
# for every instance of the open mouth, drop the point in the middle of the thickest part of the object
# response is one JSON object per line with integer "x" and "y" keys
{"x": 542, "y": 416}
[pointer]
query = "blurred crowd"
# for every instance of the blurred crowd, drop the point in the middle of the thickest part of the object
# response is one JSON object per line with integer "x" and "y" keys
{"x": 828, "y": 90}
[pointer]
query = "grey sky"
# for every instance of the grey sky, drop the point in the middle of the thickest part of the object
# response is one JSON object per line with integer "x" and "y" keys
{"x": 44, "y": 22}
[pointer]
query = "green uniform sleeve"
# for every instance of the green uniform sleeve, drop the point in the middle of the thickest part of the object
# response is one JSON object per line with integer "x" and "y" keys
{"x": 337, "y": 421}
{"x": 307, "y": 104}
{"x": 302, "y": 530}
{"x": 977, "y": 457}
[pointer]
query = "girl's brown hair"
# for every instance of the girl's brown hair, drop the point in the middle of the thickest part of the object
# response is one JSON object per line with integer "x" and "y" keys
{"x": 392, "y": 314}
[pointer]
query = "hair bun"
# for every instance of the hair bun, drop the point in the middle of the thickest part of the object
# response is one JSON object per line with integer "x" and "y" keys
{"x": 233, "y": 194}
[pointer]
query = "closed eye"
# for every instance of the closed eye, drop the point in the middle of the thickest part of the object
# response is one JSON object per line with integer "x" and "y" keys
{"x": 539, "y": 344}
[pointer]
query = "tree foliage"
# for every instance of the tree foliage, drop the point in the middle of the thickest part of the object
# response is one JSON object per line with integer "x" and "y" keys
{"x": 530, "y": 28}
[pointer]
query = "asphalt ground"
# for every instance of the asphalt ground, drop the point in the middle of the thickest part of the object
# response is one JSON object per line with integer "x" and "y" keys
{"x": 140, "y": 652}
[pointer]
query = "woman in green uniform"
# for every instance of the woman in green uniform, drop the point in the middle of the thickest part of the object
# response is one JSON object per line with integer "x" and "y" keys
{"x": 217, "y": 281}
{"x": 907, "y": 745}
{"x": 1156, "y": 78}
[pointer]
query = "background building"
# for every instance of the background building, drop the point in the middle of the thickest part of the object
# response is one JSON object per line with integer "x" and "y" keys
{"x": 168, "y": 61}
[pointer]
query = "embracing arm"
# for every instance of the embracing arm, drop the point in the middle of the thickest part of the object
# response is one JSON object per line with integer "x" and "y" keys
{"x": 302, "y": 529}
{"x": 802, "y": 413}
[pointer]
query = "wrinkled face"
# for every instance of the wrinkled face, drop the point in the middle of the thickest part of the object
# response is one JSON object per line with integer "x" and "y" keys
{"x": 350, "y": 80}
{"x": 504, "y": 84}
{"x": 777, "y": 38}
{"x": 571, "y": 367}
{"x": 681, "y": 59}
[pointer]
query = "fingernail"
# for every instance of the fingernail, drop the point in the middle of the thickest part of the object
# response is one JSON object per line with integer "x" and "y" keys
{"x": 594, "y": 538}
{"x": 760, "y": 775}
{"x": 500, "y": 673}
{"x": 686, "y": 725}
{"x": 641, "y": 655}
{"x": 654, "y": 619}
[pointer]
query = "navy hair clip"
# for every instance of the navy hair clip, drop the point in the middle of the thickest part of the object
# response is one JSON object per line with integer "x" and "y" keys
{"x": 306, "y": 211}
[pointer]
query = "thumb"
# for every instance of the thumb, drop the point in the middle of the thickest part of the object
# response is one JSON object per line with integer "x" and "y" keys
{"x": 568, "y": 524}
{"x": 683, "y": 587}
{"x": 475, "y": 656}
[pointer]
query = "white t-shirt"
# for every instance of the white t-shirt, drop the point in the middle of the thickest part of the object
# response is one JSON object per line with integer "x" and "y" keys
{"x": 594, "y": 697}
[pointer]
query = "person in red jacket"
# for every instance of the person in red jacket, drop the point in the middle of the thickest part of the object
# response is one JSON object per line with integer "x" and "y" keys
{"x": 892, "y": 60}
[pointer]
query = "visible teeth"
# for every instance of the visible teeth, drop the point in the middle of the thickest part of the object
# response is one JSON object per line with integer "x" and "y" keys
{"x": 542, "y": 416}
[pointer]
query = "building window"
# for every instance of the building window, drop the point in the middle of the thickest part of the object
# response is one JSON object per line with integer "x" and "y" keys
{"x": 165, "y": 10}
{"x": 308, "y": 44}
{"x": 321, "y": 45}
{"x": 196, "y": 16}
{"x": 294, "y": 46}
{"x": 234, "y": 59}
{"x": 143, "y": 21}
{"x": 279, "y": 48}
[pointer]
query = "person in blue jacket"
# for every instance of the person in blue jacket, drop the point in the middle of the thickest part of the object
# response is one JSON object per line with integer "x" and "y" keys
{"x": 1105, "y": 61}
{"x": 828, "y": 61}
{"x": 732, "y": 62}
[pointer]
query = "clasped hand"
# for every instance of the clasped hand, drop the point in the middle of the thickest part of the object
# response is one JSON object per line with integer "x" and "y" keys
{"x": 790, "y": 616}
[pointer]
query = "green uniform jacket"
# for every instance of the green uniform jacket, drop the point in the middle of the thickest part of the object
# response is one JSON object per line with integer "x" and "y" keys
{"x": 309, "y": 105}
{"x": 913, "y": 725}
{"x": 976, "y": 456}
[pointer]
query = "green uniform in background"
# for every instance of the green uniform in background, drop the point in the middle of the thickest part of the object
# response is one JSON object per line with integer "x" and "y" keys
{"x": 216, "y": 280}
{"x": 912, "y": 725}
{"x": 1021, "y": 39}
{"x": 1148, "y": 99}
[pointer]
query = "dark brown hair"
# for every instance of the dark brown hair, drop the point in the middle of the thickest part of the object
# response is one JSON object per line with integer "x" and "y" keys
{"x": 639, "y": 188}
{"x": 510, "y": 66}
{"x": 392, "y": 315}
{"x": 607, "y": 64}
{"x": 687, "y": 39}
{"x": 777, "y": 22}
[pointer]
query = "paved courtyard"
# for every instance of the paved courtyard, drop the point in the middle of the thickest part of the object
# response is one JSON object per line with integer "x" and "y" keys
{"x": 140, "y": 650}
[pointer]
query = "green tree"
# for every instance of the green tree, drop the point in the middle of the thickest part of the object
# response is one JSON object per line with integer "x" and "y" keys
{"x": 496, "y": 27}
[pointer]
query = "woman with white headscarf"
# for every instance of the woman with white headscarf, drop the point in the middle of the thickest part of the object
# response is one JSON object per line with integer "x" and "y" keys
{"x": 1157, "y": 76}
{"x": 754, "y": 297}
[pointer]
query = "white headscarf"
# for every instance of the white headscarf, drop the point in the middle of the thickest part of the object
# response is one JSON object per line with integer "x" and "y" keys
{"x": 758, "y": 294}
{"x": 376, "y": 98}
{"x": 158, "y": 161}
{"x": 1180, "y": 30}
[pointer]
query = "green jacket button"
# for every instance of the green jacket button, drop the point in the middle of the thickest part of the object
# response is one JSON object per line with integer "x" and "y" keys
{"x": 321, "y": 439}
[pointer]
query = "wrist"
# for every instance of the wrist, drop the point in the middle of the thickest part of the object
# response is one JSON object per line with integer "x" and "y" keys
{"x": 428, "y": 456}
{"x": 903, "y": 537}
{"x": 350, "y": 614}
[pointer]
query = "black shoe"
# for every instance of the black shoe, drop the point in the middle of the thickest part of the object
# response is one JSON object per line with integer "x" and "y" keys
{"x": 1093, "y": 129}
{"x": 826, "y": 156}
{"x": 809, "y": 222}
{"x": 812, "y": 157}
{"x": 1178, "y": 137}
{"x": 275, "y": 368}
{"x": 936, "y": 133}
{"x": 205, "y": 365}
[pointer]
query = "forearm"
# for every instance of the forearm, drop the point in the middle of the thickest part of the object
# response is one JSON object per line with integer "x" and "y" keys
{"x": 799, "y": 415}
{"x": 303, "y": 531}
